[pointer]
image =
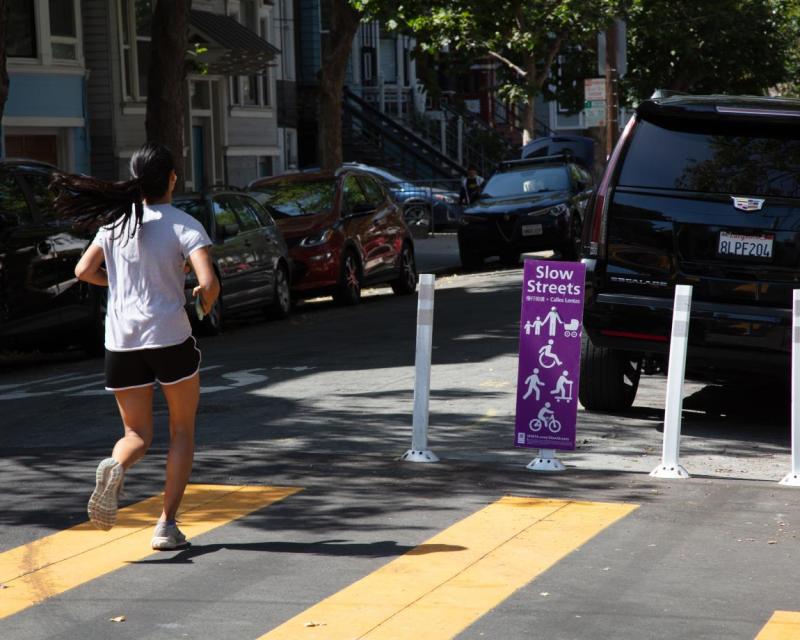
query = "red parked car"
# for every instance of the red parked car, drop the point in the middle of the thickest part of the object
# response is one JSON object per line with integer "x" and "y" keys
{"x": 343, "y": 232}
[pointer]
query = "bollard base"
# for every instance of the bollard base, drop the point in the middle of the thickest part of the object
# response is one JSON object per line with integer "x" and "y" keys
{"x": 547, "y": 462}
{"x": 419, "y": 456}
{"x": 791, "y": 480}
{"x": 672, "y": 471}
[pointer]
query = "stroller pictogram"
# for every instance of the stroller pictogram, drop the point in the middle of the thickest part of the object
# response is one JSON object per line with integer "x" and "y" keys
{"x": 571, "y": 328}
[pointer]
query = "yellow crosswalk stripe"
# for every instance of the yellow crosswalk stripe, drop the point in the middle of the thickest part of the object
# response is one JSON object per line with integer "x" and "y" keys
{"x": 438, "y": 589}
{"x": 783, "y": 625}
{"x": 61, "y": 561}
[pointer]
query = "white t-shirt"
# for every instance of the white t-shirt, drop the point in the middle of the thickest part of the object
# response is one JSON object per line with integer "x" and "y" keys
{"x": 146, "y": 279}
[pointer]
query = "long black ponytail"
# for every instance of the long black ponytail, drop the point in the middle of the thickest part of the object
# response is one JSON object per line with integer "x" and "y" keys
{"x": 93, "y": 203}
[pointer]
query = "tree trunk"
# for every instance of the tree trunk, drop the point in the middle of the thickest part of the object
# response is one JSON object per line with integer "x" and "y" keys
{"x": 3, "y": 70}
{"x": 529, "y": 113}
{"x": 166, "y": 79}
{"x": 344, "y": 24}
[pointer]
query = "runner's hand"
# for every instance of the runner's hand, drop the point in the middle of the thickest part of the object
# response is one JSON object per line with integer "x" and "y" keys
{"x": 198, "y": 291}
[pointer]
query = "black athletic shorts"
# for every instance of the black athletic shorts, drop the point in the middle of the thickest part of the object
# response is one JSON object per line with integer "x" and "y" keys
{"x": 143, "y": 367}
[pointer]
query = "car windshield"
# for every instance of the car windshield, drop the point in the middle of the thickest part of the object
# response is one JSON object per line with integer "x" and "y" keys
{"x": 289, "y": 199}
{"x": 714, "y": 159}
{"x": 525, "y": 182}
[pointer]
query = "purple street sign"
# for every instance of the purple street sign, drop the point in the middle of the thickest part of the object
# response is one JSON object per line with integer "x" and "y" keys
{"x": 549, "y": 354}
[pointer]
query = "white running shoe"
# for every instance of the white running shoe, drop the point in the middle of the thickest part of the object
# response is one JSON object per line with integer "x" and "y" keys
{"x": 167, "y": 537}
{"x": 103, "y": 503}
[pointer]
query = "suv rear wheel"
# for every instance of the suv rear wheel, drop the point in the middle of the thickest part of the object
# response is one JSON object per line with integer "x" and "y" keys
{"x": 609, "y": 378}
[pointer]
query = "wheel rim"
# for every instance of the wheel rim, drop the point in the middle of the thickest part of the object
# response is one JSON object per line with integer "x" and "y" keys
{"x": 351, "y": 279}
{"x": 415, "y": 216}
{"x": 409, "y": 269}
{"x": 631, "y": 372}
{"x": 282, "y": 290}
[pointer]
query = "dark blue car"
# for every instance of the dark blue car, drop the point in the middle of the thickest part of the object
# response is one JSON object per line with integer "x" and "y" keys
{"x": 426, "y": 207}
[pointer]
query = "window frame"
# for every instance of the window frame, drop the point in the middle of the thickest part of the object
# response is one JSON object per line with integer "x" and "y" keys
{"x": 238, "y": 85}
{"x": 68, "y": 40}
{"x": 43, "y": 39}
{"x": 137, "y": 93}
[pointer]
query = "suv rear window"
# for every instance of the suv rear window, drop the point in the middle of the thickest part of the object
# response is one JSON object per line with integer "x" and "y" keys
{"x": 714, "y": 159}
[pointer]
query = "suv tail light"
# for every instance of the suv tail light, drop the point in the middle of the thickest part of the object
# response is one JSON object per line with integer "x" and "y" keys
{"x": 597, "y": 234}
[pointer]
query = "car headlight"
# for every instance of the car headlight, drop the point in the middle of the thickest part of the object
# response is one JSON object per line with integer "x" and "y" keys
{"x": 558, "y": 210}
{"x": 317, "y": 239}
{"x": 447, "y": 199}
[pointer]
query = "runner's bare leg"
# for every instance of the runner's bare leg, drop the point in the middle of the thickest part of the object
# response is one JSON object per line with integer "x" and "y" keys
{"x": 182, "y": 400}
{"x": 136, "y": 410}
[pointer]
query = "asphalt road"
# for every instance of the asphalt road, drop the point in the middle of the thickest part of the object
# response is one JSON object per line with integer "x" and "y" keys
{"x": 322, "y": 403}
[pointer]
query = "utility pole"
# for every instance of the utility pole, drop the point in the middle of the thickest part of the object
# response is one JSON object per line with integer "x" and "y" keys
{"x": 612, "y": 89}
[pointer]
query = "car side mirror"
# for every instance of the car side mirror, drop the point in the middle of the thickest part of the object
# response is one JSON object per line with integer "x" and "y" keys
{"x": 229, "y": 230}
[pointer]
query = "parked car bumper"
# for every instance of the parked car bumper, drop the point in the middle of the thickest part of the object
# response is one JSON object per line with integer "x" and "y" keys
{"x": 314, "y": 269}
{"x": 723, "y": 338}
{"x": 492, "y": 235}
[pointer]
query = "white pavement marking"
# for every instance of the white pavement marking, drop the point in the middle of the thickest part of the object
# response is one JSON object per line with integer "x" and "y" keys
{"x": 242, "y": 378}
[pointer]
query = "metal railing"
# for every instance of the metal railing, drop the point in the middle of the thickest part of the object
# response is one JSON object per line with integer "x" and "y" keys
{"x": 393, "y": 138}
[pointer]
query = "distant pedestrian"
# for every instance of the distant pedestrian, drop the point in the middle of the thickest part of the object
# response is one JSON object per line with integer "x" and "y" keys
{"x": 139, "y": 253}
{"x": 471, "y": 186}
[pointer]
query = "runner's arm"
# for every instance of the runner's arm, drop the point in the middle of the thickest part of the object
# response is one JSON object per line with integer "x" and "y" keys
{"x": 90, "y": 267}
{"x": 208, "y": 284}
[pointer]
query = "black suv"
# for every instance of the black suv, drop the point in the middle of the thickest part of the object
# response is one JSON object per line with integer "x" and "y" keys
{"x": 527, "y": 205}
{"x": 704, "y": 191}
{"x": 42, "y": 303}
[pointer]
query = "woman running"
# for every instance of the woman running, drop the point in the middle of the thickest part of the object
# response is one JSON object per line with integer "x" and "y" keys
{"x": 140, "y": 253}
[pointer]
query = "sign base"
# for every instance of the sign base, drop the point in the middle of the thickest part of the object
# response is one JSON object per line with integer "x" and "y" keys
{"x": 547, "y": 462}
{"x": 676, "y": 472}
{"x": 791, "y": 480}
{"x": 419, "y": 456}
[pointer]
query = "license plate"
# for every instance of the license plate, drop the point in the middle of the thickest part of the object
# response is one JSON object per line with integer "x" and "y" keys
{"x": 531, "y": 229}
{"x": 744, "y": 245}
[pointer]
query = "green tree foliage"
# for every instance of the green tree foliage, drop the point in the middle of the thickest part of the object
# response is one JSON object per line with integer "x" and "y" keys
{"x": 525, "y": 36}
{"x": 714, "y": 46}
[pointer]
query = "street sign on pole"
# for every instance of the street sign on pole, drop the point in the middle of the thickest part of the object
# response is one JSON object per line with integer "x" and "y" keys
{"x": 549, "y": 357}
{"x": 594, "y": 89}
{"x": 621, "y": 58}
{"x": 595, "y": 115}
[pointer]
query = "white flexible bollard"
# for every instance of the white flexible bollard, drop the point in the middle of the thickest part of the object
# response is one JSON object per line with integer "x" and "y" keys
{"x": 419, "y": 451}
{"x": 670, "y": 466}
{"x": 793, "y": 478}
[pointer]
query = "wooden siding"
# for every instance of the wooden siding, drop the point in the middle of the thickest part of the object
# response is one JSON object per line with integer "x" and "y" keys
{"x": 96, "y": 15}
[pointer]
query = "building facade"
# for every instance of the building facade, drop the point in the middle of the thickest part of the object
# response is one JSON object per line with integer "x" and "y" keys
{"x": 78, "y": 84}
{"x": 45, "y": 116}
{"x": 231, "y": 121}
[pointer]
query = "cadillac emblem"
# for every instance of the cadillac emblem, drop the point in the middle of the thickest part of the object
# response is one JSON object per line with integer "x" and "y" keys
{"x": 748, "y": 204}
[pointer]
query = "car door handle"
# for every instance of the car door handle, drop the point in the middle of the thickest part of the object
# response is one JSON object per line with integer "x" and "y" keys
{"x": 247, "y": 243}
